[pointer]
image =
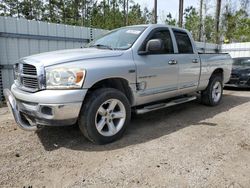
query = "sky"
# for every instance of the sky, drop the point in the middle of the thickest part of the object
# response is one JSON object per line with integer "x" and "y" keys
{"x": 172, "y": 6}
{"x": 166, "y": 6}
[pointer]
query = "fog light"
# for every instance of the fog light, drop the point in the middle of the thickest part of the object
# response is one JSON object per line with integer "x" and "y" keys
{"x": 46, "y": 110}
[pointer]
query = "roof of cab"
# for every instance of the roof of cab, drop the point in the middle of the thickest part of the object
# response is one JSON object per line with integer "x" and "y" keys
{"x": 158, "y": 25}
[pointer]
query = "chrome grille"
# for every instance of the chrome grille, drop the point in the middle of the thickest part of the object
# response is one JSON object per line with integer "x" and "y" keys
{"x": 27, "y": 77}
{"x": 30, "y": 82}
{"x": 29, "y": 69}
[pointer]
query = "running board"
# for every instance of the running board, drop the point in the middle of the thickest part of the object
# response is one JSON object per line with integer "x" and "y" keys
{"x": 164, "y": 105}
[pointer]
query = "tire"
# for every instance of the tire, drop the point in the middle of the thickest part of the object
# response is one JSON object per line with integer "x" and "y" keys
{"x": 108, "y": 109}
{"x": 213, "y": 94}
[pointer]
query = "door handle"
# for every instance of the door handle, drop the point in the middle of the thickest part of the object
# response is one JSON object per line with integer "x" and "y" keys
{"x": 172, "y": 62}
{"x": 195, "y": 61}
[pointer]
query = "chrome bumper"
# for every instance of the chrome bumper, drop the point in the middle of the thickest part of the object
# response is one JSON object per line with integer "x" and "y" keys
{"x": 29, "y": 114}
{"x": 11, "y": 102}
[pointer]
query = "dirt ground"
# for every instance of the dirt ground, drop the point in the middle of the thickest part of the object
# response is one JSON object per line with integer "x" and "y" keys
{"x": 189, "y": 145}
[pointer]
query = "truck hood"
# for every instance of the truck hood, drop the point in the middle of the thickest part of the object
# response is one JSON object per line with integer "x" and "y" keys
{"x": 63, "y": 56}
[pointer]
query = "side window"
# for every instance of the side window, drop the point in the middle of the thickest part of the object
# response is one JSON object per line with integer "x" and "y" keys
{"x": 164, "y": 35}
{"x": 183, "y": 42}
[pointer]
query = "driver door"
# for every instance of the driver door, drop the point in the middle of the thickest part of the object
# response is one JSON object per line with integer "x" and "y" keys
{"x": 157, "y": 73}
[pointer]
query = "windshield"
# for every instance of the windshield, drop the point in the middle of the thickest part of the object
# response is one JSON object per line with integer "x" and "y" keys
{"x": 242, "y": 62}
{"x": 119, "y": 39}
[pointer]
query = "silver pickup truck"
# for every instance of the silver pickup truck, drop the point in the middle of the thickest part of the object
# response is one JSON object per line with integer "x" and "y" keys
{"x": 132, "y": 69}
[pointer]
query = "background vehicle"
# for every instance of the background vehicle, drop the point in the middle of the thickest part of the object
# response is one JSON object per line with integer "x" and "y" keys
{"x": 240, "y": 76}
{"x": 140, "y": 68}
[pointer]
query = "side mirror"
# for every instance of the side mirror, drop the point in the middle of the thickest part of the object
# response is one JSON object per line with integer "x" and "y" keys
{"x": 152, "y": 46}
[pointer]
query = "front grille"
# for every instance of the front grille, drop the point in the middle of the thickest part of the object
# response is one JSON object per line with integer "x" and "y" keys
{"x": 234, "y": 76}
{"x": 26, "y": 77}
{"x": 30, "y": 82}
{"x": 248, "y": 82}
{"x": 29, "y": 69}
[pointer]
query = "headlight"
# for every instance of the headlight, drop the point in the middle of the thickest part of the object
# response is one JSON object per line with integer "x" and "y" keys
{"x": 64, "y": 77}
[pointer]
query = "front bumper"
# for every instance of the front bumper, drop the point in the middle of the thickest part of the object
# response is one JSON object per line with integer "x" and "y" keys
{"x": 44, "y": 108}
{"x": 240, "y": 82}
{"x": 237, "y": 86}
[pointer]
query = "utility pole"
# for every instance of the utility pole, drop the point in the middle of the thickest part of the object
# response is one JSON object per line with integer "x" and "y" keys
{"x": 180, "y": 13}
{"x": 217, "y": 21}
{"x": 155, "y": 12}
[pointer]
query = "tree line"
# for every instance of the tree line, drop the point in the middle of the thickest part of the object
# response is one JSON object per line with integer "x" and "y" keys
{"x": 229, "y": 24}
{"x": 105, "y": 14}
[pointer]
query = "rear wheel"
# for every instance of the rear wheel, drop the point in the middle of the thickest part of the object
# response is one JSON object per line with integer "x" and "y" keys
{"x": 213, "y": 93}
{"x": 105, "y": 115}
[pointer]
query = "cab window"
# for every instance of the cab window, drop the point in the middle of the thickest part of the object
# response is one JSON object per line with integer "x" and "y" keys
{"x": 165, "y": 36}
{"x": 183, "y": 42}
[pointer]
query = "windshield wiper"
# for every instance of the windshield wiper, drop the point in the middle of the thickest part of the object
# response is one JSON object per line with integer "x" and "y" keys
{"x": 102, "y": 46}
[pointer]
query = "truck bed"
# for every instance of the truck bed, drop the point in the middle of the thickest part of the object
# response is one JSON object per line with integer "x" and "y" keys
{"x": 211, "y": 61}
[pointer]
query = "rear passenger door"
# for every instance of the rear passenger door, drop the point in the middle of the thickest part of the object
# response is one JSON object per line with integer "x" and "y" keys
{"x": 188, "y": 60}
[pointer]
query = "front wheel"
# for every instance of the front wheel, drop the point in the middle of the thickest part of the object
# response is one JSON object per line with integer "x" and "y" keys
{"x": 105, "y": 115}
{"x": 213, "y": 93}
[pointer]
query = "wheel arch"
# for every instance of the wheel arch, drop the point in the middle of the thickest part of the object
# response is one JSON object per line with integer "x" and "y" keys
{"x": 218, "y": 71}
{"x": 118, "y": 83}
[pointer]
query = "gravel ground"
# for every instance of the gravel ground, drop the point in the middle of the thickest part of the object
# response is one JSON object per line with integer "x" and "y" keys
{"x": 189, "y": 145}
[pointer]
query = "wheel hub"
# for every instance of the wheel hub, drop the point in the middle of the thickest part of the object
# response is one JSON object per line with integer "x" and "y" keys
{"x": 110, "y": 117}
{"x": 217, "y": 91}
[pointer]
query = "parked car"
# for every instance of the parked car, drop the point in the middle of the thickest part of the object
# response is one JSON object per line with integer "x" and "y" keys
{"x": 240, "y": 76}
{"x": 137, "y": 68}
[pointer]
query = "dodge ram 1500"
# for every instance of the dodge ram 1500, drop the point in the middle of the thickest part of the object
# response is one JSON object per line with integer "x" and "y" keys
{"x": 131, "y": 69}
